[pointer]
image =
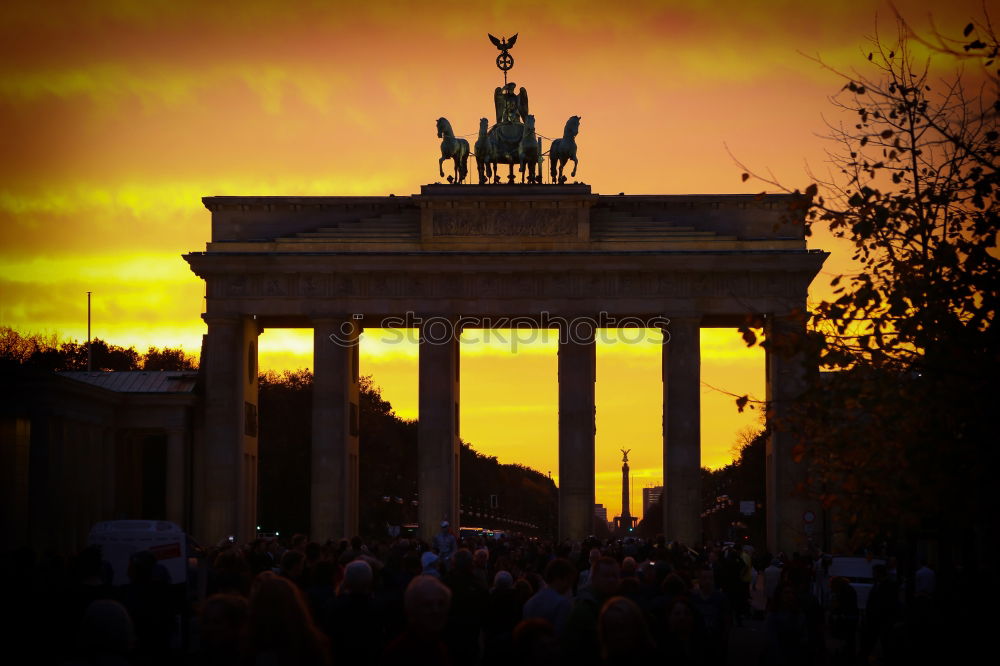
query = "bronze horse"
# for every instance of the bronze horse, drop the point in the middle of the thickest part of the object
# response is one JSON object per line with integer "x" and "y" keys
{"x": 452, "y": 148}
{"x": 529, "y": 151}
{"x": 484, "y": 153}
{"x": 564, "y": 149}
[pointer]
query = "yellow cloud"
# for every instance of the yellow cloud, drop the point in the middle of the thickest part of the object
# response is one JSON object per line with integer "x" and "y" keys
{"x": 160, "y": 270}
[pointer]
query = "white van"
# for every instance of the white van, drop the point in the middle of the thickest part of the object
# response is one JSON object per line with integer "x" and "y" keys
{"x": 857, "y": 570}
{"x": 119, "y": 539}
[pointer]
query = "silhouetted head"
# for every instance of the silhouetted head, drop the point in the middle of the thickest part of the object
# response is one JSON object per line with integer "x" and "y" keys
{"x": 503, "y": 581}
{"x": 535, "y": 643}
{"x": 106, "y": 629}
{"x": 673, "y": 585}
{"x": 222, "y": 622}
{"x": 560, "y": 575}
{"x": 606, "y": 577}
{"x": 622, "y": 630}
{"x": 706, "y": 581}
{"x": 427, "y": 601}
{"x": 280, "y": 620}
{"x": 681, "y": 618}
{"x": 428, "y": 561}
{"x": 463, "y": 560}
{"x": 357, "y": 578}
{"x": 292, "y": 564}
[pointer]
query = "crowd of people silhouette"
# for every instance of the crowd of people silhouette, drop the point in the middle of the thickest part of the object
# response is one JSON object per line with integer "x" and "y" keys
{"x": 477, "y": 600}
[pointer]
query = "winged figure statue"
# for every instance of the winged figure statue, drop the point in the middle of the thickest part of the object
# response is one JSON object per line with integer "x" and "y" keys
{"x": 510, "y": 108}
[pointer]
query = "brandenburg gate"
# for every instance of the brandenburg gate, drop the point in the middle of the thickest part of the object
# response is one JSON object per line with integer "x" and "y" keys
{"x": 458, "y": 254}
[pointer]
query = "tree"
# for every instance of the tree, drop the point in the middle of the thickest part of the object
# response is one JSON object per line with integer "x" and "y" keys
{"x": 48, "y": 353}
{"x": 387, "y": 466}
{"x": 897, "y": 433}
{"x": 168, "y": 359}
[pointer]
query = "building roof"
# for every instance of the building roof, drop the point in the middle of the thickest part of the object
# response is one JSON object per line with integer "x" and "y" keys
{"x": 138, "y": 381}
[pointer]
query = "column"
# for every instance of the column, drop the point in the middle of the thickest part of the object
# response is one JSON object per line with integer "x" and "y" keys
{"x": 438, "y": 430}
{"x": 15, "y": 449}
{"x": 227, "y": 478}
{"x": 682, "y": 431}
{"x": 577, "y": 374}
{"x": 334, "y": 494}
{"x": 109, "y": 460}
{"x": 790, "y": 526}
{"x": 175, "y": 476}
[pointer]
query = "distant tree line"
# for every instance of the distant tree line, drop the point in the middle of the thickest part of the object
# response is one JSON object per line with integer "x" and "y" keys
{"x": 47, "y": 352}
{"x": 494, "y": 494}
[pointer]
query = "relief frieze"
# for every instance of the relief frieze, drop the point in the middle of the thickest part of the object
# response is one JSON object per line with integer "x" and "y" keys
{"x": 505, "y": 222}
{"x": 506, "y": 285}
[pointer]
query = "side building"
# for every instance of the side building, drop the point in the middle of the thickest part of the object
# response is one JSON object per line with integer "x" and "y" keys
{"x": 77, "y": 448}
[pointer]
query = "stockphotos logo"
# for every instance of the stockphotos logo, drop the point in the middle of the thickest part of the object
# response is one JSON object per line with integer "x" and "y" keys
{"x": 515, "y": 331}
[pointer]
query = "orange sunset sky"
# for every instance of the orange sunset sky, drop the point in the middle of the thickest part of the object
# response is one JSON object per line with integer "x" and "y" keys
{"x": 117, "y": 117}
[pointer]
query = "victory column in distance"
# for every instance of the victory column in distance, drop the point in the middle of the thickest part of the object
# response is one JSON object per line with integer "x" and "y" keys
{"x": 512, "y": 140}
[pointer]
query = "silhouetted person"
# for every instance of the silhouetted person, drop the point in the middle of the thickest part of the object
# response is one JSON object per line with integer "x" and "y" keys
{"x": 788, "y": 632}
{"x": 230, "y": 573}
{"x": 481, "y": 566}
{"x": 106, "y": 636}
{"x": 535, "y": 643}
{"x": 351, "y": 620}
{"x": 320, "y": 591}
{"x": 583, "y": 580}
{"x": 623, "y": 634}
{"x": 445, "y": 545}
{"x": 772, "y": 577}
{"x": 299, "y": 542}
{"x": 427, "y": 602}
{"x": 714, "y": 609}
{"x": 222, "y": 623}
{"x": 730, "y": 582}
{"x": 430, "y": 564}
{"x": 683, "y": 640}
{"x": 881, "y": 612}
{"x": 503, "y": 612}
{"x": 281, "y": 630}
{"x": 468, "y": 608}
{"x": 580, "y": 644}
{"x": 257, "y": 558}
{"x": 150, "y": 603}
{"x": 293, "y": 563}
{"x": 553, "y": 601}
{"x": 924, "y": 581}
{"x": 844, "y": 619}
{"x": 91, "y": 580}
